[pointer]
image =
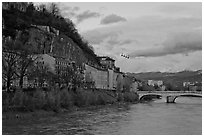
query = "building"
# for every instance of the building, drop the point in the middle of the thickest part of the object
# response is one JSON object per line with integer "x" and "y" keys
{"x": 46, "y": 60}
{"x": 97, "y": 77}
{"x": 107, "y": 62}
{"x": 192, "y": 86}
{"x": 158, "y": 83}
{"x": 103, "y": 78}
{"x": 186, "y": 84}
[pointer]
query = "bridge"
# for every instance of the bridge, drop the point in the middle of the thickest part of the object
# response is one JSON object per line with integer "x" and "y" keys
{"x": 171, "y": 96}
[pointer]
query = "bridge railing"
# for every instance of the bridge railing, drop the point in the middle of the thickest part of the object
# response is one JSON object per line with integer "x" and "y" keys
{"x": 164, "y": 92}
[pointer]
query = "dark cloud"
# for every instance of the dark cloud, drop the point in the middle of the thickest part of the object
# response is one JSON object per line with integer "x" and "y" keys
{"x": 112, "y": 19}
{"x": 86, "y": 15}
{"x": 182, "y": 43}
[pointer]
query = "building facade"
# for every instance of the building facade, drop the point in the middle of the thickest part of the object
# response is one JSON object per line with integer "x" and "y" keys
{"x": 107, "y": 62}
{"x": 103, "y": 78}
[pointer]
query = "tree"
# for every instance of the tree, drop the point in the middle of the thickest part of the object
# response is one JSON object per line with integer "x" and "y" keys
{"x": 9, "y": 60}
{"x": 41, "y": 73}
{"x": 156, "y": 87}
{"x": 54, "y": 9}
{"x": 26, "y": 60}
{"x": 30, "y": 9}
{"x": 42, "y": 8}
{"x": 26, "y": 53}
{"x": 18, "y": 56}
{"x": 169, "y": 87}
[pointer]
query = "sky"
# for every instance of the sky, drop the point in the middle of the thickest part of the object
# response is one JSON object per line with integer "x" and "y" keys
{"x": 165, "y": 37}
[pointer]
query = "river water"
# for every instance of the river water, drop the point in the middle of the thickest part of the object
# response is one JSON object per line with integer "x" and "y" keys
{"x": 152, "y": 118}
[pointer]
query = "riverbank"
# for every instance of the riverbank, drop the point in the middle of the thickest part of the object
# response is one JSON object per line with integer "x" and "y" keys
{"x": 44, "y": 103}
{"x": 18, "y": 115}
{"x": 73, "y": 120}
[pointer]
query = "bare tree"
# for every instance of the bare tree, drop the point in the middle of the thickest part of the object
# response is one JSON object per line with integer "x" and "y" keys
{"x": 26, "y": 60}
{"x": 26, "y": 53}
{"x": 41, "y": 73}
{"x": 54, "y": 9}
{"x": 9, "y": 60}
{"x": 17, "y": 57}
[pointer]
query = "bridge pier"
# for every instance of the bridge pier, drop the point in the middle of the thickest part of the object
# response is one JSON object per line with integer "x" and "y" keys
{"x": 170, "y": 99}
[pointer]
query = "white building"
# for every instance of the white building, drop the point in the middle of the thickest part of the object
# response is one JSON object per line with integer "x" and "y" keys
{"x": 155, "y": 82}
{"x": 47, "y": 60}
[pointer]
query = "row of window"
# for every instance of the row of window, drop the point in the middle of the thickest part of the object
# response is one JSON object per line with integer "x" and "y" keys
{"x": 62, "y": 63}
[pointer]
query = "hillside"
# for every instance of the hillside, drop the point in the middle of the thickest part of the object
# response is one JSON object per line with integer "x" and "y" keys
{"x": 22, "y": 16}
{"x": 182, "y": 76}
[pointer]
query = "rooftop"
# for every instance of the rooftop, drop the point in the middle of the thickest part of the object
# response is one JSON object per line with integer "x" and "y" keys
{"x": 106, "y": 58}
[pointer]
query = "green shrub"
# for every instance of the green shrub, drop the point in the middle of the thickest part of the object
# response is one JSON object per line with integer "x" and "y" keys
{"x": 39, "y": 99}
{"x": 18, "y": 99}
{"x": 101, "y": 100}
{"x": 28, "y": 103}
{"x": 130, "y": 97}
{"x": 120, "y": 97}
{"x": 5, "y": 101}
{"x": 55, "y": 99}
{"x": 90, "y": 98}
{"x": 66, "y": 99}
{"x": 49, "y": 101}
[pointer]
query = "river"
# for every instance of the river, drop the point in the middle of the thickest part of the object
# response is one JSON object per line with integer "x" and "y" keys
{"x": 152, "y": 118}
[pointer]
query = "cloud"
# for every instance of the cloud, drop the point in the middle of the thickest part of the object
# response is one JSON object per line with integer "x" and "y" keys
{"x": 184, "y": 9}
{"x": 97, "y": 36}
{"x": 154, "y": 38}
{"x": 68, "y": 11}
{"x": 112, "y": 19}
{"x": 184, "y": 42}
{"x": 75, "y": 8}
{"x": 128, "y": 41}
{"x": 169, "y": 63}
{"x": 110, "y": 37}
{"x": 74, "y": 12}
{"x": 68, "y": 8}
{"x": 116, "y": 41}
{"x": 86, "y": 15}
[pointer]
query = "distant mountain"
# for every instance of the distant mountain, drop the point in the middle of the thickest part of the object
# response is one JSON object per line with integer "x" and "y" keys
{"x": 180, "y": 77}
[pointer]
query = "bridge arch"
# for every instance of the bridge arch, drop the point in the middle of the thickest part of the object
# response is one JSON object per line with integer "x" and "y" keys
{"x": 187, "y": 95}
{"x": 149, "y": 97}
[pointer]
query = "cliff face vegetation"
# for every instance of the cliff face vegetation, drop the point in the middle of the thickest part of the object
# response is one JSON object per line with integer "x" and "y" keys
{"x": 61, "y": 33}
{"x": 58, "y": 45}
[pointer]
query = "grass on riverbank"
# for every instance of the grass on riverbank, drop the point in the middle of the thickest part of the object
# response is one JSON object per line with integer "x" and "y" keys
{"x": 55, "y": 100}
